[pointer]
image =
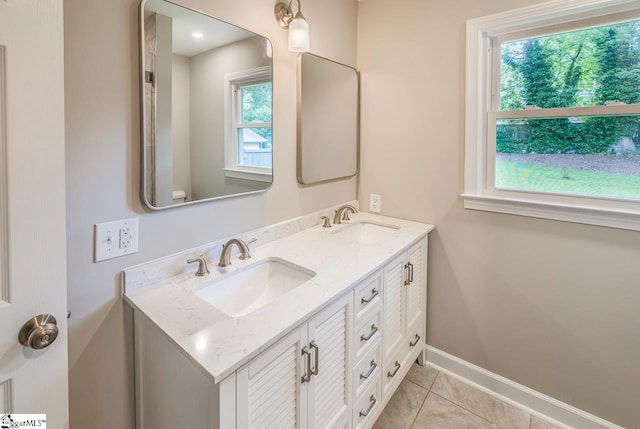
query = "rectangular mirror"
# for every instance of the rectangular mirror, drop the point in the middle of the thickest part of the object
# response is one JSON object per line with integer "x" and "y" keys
{"x": 206, "y": 107}
{"x": 328, "y": 102}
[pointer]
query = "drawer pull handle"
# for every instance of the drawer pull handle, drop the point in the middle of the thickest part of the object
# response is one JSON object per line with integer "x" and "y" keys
{"x": 413, "y": 343}
{"x": 395, "y": 371}
{"x": 374, "y": 365}
{"x": 374, "y": 293}
{"x": 307, "y": 376}
{"x": 374, "y": 329}
{"x": 365, "y": 413}
{"x": 315, "y": 368}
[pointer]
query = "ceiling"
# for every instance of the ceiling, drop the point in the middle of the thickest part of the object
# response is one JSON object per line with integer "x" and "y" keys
{"x": 214, "y": 32}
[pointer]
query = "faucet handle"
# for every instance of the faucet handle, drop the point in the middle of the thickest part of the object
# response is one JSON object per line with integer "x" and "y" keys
{"x": 326, "y": 223}
{"x": 202, "y": 266}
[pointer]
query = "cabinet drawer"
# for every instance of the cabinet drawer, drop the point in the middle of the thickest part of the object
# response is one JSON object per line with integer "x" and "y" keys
{"x": 367, "y": 406}
{"x": 368, "y": 296}
{"x": 367, "y": 334}
{"x": 394, "y": 368}
{"x": 367, "y": 370}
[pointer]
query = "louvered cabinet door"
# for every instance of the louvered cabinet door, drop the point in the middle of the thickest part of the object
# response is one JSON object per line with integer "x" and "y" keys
{"x": 415, "y": 290}
{"x": 269, "y": 390}
{"x": 394, "y": 306}
{"x": 330, "y": 389}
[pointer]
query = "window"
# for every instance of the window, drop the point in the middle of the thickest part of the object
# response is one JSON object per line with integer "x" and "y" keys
{"x": 553, "y": 112}
{"x": 248, "y": 113}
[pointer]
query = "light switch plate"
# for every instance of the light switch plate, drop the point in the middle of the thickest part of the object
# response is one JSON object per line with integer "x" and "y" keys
{"x": 117, "y": 238}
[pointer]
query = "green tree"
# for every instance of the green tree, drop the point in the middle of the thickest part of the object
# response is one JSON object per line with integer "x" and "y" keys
{"x": 618, "y": 56}
{"x": 257, "y": 106}
{"x": 579, "y": 68}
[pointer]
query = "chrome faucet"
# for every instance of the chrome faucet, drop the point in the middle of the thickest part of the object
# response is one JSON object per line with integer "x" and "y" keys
{"x": 225, "y": 256}
{"x": 343, "y": 213}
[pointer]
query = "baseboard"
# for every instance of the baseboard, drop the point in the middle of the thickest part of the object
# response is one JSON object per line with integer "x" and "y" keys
{"x": 557, "y": 412}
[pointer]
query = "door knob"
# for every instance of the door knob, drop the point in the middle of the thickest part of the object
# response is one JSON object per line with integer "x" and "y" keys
{"x": 39, "y": 332}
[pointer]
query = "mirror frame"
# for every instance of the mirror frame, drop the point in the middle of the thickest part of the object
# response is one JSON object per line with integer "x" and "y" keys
{"x": 144, "y": 113}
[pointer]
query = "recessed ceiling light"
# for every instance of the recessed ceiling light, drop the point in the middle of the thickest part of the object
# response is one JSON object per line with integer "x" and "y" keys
{"x": 197, "y": 35}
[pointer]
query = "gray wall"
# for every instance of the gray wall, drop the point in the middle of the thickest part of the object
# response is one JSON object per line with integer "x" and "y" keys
{"x": 208, "y": 71}
{"x": 548, "y": 304}
{"x": 180, "y": 124}
{"x": 102, "y": 154}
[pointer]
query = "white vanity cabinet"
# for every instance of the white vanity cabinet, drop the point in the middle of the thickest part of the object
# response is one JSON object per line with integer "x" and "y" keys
{"x": 303, "y": 381}
{"x": 337, "y": 369}
{"x": 404, "y": 321}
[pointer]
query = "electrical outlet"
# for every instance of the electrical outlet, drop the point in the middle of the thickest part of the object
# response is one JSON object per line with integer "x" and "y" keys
{"x": 125, "y": 237}
{"x": 375, "y": 201}
{"x": 118, "y": 238}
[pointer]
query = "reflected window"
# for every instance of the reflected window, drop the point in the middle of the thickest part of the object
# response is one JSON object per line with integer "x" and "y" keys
{"x": 253, "y": 124}
{"x": 249, "y": 144}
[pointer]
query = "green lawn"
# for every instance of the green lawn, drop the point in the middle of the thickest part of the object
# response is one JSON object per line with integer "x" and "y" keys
{"x": 512, "y": 175}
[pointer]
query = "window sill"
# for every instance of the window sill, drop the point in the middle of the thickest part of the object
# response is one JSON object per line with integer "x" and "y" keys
{"x": 613, "y": 218}
{"x": 257, "y": 176}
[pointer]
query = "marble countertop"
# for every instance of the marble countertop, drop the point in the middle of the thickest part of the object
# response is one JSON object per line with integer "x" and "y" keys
{"x": 220, "y": 344}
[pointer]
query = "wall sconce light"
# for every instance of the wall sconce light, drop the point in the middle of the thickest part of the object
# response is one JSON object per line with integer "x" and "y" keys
{"x": 297, "y": 25}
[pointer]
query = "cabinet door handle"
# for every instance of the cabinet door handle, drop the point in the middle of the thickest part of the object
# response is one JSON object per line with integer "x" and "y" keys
{"x": 307, "y": 376}
{"x": 413, "y": 343}
{"x": 395, "y": 371}
{"x": 365, "y": 413}
{"x": 374, "y": 293}
{"x": 407, "y": 279}
{"x": 316, "y": 367}
{"x": 410, "y": 272}
{"x": 374, "y": 365}
{"x": 374, "y": 329}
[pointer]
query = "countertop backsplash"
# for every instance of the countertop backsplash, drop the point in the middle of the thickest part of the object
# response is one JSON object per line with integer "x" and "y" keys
{"x": 146, "y": 274}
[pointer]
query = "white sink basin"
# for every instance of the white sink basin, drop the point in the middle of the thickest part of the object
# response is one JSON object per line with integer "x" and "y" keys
{"x": 367, "y": 232}
{"x": 254, "y": 286}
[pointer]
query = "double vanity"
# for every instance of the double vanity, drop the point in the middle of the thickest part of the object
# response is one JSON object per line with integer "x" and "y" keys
{"x": 316, "y": 329}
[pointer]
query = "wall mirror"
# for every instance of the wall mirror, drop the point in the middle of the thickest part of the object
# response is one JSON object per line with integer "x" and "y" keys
{"x": 206, "y": 107}
{"x": 328, "y": 103}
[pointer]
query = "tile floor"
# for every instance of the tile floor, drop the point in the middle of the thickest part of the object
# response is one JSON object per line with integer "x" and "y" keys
{"x": 428, "y": 399}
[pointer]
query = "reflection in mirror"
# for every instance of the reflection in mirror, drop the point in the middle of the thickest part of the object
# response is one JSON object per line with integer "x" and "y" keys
{"x": 207, "y": 107}
{"x": 327, "y": 119}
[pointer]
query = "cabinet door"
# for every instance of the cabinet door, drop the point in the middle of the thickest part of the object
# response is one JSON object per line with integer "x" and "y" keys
{"x": 394, "y": 311}
{"x": 270, "y": 393}
{"x": 415, "y": 289}
{"x": 329, "y": 390}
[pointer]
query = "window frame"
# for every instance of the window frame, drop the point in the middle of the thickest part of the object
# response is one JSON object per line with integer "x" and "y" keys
{"x": 482, "y": 110}
{"x": 233, "y": 122}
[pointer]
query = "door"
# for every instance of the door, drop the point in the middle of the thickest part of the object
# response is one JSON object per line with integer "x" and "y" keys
{"x": 394, "y": 311}
{"x": 330, "y": 386}
{"x": 415, "y": 290}
{"x": 270, "y": 393}
{"x": 32, "y": 208}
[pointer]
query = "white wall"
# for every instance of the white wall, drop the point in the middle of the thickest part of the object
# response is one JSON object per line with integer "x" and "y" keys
{"x": 103, "y": 145}
{"x": 551, "y": 305}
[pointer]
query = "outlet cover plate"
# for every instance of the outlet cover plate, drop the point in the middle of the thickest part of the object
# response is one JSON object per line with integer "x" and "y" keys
{"x": 375, "y": 201}
{"x": 117, "y": 238}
